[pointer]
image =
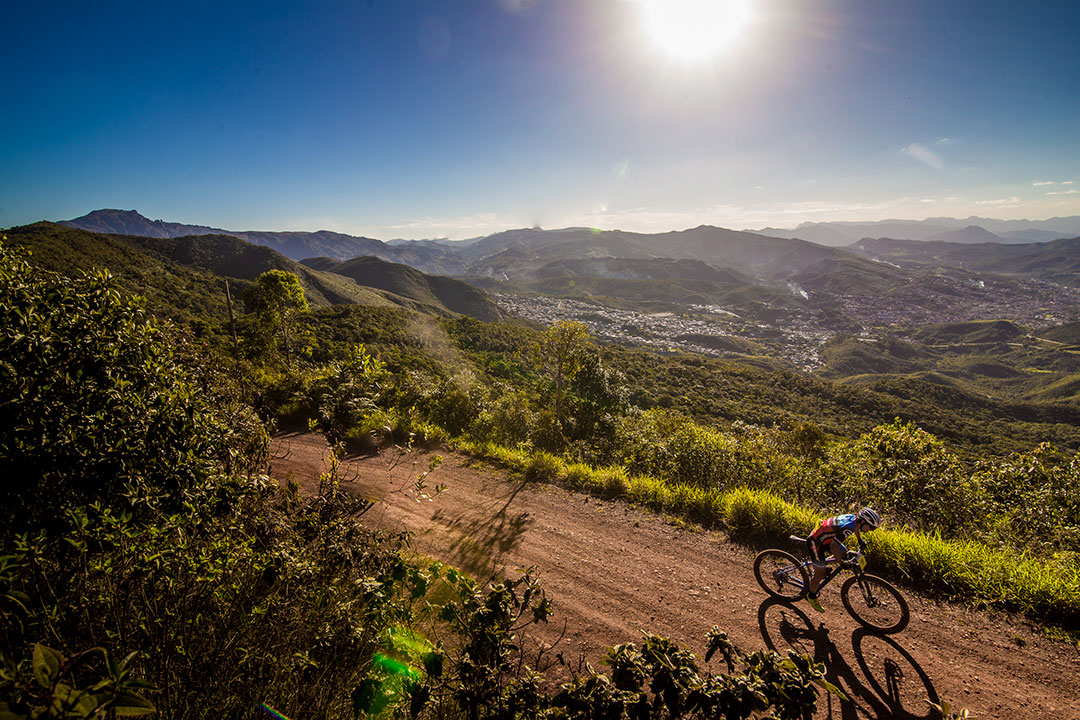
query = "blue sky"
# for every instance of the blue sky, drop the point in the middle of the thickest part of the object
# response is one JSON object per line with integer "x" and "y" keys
{"x": 458, "y": 118}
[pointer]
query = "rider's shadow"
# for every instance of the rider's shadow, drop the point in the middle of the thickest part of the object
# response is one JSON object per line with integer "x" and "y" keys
{"x": 889, "y": 683}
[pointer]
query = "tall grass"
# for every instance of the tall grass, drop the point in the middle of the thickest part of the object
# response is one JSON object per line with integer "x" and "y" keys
{"x": 1043, "y": 588}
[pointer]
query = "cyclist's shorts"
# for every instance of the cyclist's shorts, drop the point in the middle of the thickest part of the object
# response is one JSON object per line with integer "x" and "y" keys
{"x": 819, "y": 551}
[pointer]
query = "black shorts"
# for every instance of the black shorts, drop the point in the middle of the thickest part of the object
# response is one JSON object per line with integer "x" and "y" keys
{"x": 820, "y": 551}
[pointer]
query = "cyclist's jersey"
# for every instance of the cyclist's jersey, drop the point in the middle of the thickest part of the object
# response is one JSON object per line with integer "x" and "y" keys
{"x": 834, "y": 528}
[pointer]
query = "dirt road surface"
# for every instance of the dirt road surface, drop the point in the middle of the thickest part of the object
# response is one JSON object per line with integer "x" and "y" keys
{"x": 612, "y": 570}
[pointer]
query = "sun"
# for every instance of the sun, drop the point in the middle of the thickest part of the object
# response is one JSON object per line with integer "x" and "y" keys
{"x": 695, "y": 30}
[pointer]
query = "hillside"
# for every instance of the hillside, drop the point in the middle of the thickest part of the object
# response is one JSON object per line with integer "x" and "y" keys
{"x": 130, "y": 222}
{"x": 969, "y": 234}
{"x": 177, "y": 292}
{"x": 183, "y": 278}
{"x": 1068, "y": 334}
{"x": 228, "y": 256}
{"x": 432, "y": 290}
{"x": 1058, "y": 260}
{"x": 988, "y": 331}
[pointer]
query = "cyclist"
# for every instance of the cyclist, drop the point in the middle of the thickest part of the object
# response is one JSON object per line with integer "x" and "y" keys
{"x": 829, "y": 538}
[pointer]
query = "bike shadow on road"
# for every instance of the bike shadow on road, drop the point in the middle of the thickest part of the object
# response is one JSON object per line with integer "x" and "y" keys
{"x": 885, "y": 681}
{"x": 487, "y": 533}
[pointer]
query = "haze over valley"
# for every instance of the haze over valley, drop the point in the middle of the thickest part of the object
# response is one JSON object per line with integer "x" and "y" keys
{"x": 723, "y": 292}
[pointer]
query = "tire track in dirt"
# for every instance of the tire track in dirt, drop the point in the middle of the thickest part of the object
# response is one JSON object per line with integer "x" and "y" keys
{"x": 611, "y": 570}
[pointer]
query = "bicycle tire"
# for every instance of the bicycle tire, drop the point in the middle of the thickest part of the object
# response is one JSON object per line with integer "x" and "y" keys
{"x": 773, "y": 567}
{"x": 876, "y": 604}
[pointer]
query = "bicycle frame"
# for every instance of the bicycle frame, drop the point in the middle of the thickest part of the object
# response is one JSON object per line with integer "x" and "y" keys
{"x": 833, "y": 571}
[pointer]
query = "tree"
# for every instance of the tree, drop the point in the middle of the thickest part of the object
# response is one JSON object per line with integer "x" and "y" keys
{"x": 582, "y": 390}
{"x": 276, "y": 300}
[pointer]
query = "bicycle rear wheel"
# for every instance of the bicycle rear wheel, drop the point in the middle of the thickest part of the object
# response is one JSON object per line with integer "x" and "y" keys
{"x": 780, "y": 574}
{"x": 875, "y": 603}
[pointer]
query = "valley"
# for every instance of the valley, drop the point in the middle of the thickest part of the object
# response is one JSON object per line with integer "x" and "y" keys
{"x": 796, "y": 332}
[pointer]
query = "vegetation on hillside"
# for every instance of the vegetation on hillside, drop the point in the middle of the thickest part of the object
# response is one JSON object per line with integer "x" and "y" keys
{"x": 147, "y": 566}
{"x": 138, "y": 522}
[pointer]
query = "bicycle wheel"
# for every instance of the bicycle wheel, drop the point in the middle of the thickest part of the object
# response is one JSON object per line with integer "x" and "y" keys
{"x": 780, "y": 574}
{"x": 875, "y": 603}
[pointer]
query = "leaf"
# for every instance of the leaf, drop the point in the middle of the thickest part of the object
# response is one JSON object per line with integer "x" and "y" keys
{"x": 420, "y": 696}
{"x": 6, "y": 713}
{"x": 363, "y": 696}
{"x": 46, "y": 664}
{"x": 129, "y": 704}
{"x": 832, "y": 689}
{"x": 433, "y": 664}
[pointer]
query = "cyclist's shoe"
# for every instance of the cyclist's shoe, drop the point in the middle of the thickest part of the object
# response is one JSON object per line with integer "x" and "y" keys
{"x": 814, "y": 603}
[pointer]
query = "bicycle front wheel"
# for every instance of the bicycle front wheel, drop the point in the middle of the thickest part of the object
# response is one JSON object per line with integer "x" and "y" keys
{"x": 875, "y": 603}
{"x": 780, "y": 574}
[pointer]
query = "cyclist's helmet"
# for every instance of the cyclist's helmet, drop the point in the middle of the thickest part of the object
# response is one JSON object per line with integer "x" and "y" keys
{"x": 870, "y": 517}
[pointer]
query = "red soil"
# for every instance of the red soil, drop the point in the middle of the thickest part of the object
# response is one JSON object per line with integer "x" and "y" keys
{"x": 612, "y": 570}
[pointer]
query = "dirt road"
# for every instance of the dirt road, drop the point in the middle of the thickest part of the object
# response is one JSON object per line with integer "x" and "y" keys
{"x": 612, "y": 570}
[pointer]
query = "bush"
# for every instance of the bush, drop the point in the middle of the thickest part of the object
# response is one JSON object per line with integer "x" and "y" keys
{"x": 763, "y": 515}
{"x": 96, "y": 403}
{"x": 543, "y": 467}
{"x": 905, "y": 473}
{"x": 673, "y": 447}
{"x": 1033, "y": 499}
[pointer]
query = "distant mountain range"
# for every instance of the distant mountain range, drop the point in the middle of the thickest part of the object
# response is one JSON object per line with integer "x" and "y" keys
{"x": 972, "y": 230}
{"x": 706, "y": 289}
{"x": 457, "y": 258}
{"x": 426, "y": 255}
{"x": 706, "y": 265}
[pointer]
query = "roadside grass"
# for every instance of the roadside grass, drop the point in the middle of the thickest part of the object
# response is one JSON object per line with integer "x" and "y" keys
{"x": 1045, "y": 589}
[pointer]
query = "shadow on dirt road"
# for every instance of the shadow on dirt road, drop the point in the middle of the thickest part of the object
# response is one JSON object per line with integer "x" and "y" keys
{"x": 481, "y": 541}
{"x": 889, "y": 682}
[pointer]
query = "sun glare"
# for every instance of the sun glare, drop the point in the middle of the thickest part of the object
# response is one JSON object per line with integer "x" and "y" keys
{"x": 695, "y": 30}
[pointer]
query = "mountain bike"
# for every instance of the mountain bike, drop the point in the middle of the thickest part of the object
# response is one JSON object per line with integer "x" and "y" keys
{"x": 872, "y": 601}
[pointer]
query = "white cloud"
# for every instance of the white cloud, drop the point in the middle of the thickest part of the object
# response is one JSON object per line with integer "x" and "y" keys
{"x": 1067, "y": 182}
{"x": 1003, "y": 202}
{"x": 1042, "y": 182}
{"x": 1070, "y": 191}
{"x": 924, "y": 155}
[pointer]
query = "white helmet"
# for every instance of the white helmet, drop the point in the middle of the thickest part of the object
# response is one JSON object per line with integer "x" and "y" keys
{"x": 870, "y": 517}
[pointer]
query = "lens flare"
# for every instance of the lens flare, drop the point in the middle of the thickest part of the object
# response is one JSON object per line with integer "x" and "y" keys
{"x": 693, "y": 30}
{"x": 273, "y": 713}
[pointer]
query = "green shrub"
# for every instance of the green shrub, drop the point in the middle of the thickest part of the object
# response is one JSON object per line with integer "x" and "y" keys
{"x": 97, "y": 405}
{"x": 907, "y": 474}
{"x": 578, "y": 475}
{"x": 614, "y": 481}
{"x": 763, "y": 515}
{"x": 544, "y": 467}
{"x": 1033, "y": 499}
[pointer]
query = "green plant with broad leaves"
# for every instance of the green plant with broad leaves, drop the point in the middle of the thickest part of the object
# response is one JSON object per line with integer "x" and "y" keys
{"x": 51, "y": 688}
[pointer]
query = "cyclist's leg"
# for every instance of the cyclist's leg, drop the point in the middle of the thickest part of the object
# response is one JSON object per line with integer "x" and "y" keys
{"x": 817, "y": 556}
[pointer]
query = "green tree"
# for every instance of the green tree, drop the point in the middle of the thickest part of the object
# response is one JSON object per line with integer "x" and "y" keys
{"x": 559, "y": 356}
{"x": 276, "y": 300}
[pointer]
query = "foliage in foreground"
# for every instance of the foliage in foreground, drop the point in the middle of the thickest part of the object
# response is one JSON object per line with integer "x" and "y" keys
{"x": 204, "y": 590}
